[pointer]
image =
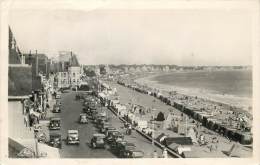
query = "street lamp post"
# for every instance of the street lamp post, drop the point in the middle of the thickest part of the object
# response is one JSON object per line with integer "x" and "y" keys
{"x": 153, "y": 132}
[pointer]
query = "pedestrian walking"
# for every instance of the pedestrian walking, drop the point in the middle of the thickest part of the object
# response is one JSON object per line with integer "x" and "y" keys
{"x": 155, "y": 155}
{"x": 164, "y": 153}
{"x": 26, "y": 121}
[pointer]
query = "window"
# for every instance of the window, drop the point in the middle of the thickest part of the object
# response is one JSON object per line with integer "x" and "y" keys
{"x": 74, "y": 80}
{"x": 74, "y": 74}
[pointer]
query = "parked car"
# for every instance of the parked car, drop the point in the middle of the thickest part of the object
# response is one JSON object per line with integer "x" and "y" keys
{"x": 97, "y": 141}
{"x": 99, "y": 120}
{"x": 54, "y": 124}
{"x": 104, "y": 126}
{"x": 134, "y": 154}
{"x": 125, "y": 149}
{"x": 114, "y": 136}
{"x": 109, "y": 129}
{"x": 58, "y": 95}
{"x": 93, "y": 114}
{"x": 55, "y": 140}
{"x": 83, "y": 118}
{"x": 73, "y": 137}
{"x": 56, "y": 108}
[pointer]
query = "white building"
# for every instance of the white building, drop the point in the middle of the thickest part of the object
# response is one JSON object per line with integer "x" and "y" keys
{"x": 63, "y": 80}
{"x": 69, "y": 74}
{"x": 74, "y": 75}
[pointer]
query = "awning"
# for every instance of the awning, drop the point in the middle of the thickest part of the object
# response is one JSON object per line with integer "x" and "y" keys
{"x": 22, "y": 147}
{"x": 47, "y": 151}
{"x": 32, "y": 112}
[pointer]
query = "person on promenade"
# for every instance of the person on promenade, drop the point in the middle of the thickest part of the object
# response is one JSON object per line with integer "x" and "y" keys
{"x": 164, "y": 153}
{"x": 129, "y": 129}
{"x": 155, "y": 155}
{"x": 26, "y": 121}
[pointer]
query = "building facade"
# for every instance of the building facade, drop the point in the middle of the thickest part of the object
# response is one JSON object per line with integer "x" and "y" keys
{"x": 74, "y": 75}
{"x": 63, "y": 80}
{"x": 69, "y": 71}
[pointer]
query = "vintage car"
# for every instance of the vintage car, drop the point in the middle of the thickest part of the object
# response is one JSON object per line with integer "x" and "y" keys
{"x": 54, "y": 123}
{"x": 104, "y": 125}
{"x": 93, "y": 114}
{"x": 91, "y": 105}
{"x": 97, "y": 141}
{"x": 73, "y": 137}
{"x": 114, "y": 136}
{"x": 124, "y": 149}
{"x": 56, "y": 108}
{"x": 99, "y": 120}
{"x": 83, "y": 118}
{"x": 55, "y": 140}
{"x": 109, "y": 129}
{"x": 134, "y": 154}
{"x": 58, "y": 95}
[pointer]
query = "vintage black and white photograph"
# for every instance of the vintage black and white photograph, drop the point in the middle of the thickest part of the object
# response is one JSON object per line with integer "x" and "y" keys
{"x": 129, "y": 82}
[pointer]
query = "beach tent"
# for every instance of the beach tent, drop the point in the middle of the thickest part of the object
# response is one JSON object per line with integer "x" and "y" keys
{"x": 142, "y": 124}
{"x": 179, "y": 148}
{"x": 192, "y": 134}
{"x": 168, "y": 122}
{"x": 182, "y": 149}
{"x": 246, "y": 138}
{"x": 178, "y": 140}
{"x": 161, "y": 138}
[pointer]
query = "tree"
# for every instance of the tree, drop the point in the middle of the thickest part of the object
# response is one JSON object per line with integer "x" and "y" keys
{"x": 89, "y": 72}
{"x": 102, "y": 69}
{"x": 160, "y": 117}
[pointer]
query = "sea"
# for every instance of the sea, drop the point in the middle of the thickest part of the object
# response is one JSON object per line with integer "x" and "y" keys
{"x": 232, "y": 87}
{"x": 235, "y": 82}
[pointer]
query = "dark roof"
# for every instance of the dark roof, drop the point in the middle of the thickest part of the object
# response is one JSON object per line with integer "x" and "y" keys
{"x": 14, "y": 57}
{"x": 19, "y": 80}
{"x": 33, "y": 55}
{"x": 14, "y": 54}
{"x": 178, "y": 140}
{"x": 74, "y": 61}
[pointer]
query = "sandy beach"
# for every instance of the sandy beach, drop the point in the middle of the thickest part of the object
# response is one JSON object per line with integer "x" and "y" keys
{"x": 241, "y": 102}
{"x": 130, "y": 96}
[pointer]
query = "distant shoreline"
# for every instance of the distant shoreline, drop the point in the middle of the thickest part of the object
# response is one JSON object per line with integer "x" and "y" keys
{"x": 237, "y": 101}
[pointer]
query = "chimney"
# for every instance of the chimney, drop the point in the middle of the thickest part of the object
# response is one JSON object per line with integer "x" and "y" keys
{"x": 71, "y": 58}
{"x": 23, "y": 59}
{"x": 30, "y": 58}
{"x": 37, "y": 65}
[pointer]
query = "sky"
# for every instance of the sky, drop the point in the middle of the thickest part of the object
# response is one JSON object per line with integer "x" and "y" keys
{"x": 137, "y": 36}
